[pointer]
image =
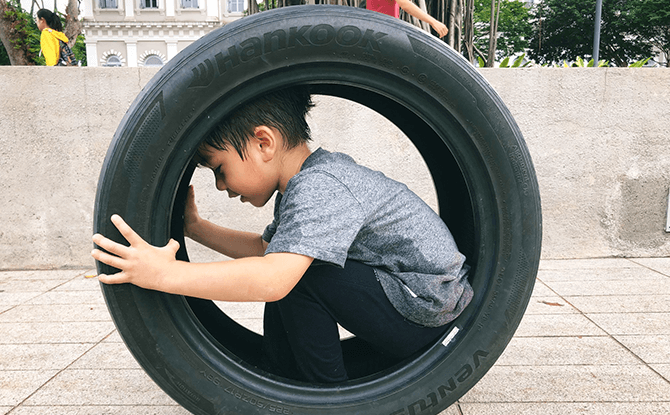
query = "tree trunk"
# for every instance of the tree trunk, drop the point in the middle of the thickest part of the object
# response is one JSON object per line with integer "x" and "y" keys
{"x": 454, "y": 21}
{"x": 469, "y": 30}
{"x": 8, "y": 34}
{"x": 493, "y": 33}
{"x": 253, "y": 7}
{"x": 73, "y": 25}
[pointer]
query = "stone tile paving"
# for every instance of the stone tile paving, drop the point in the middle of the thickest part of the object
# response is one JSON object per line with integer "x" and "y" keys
{"x": 595, "y": 340}
{"x": 602, "y": 347}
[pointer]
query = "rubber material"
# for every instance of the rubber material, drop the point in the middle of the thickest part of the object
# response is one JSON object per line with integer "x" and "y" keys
{"x": 486, "y": 187}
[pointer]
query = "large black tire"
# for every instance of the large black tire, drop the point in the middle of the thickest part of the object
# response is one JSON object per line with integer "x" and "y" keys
{"x": 483, "y": 175}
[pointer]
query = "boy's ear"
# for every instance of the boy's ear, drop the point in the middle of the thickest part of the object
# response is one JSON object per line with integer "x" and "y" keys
{"x": 267, "y": 141}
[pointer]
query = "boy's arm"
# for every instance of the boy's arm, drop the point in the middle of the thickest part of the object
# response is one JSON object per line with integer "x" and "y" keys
{"x": 414, "y": 10}
{"x": 229, "y": 242}
{"x": 268, "y": 278}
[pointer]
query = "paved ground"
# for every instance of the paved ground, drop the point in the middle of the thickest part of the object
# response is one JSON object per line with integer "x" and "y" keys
{"x": 595, "y": 340}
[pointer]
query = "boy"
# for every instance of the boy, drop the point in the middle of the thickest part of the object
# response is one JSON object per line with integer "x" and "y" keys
{"x": 347, "y": 245}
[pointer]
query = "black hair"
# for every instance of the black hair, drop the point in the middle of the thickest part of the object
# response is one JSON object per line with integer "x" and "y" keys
{"x": 284, "y": 109}
{"x": 52, "y": 19}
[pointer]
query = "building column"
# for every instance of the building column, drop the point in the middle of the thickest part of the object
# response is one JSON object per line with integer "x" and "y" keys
{"x": 92, "y": 58}
{"x": 88, "y": 9}
{"x": 131, "y": 50}
{"x": 130, "y": 8}
{"x": 169, "y": 8}
{"x": 172, "y": 49}
{"x": 213, "y": 9}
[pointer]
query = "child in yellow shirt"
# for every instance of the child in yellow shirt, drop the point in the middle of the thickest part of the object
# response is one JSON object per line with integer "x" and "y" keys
{"x": 50, "y": 25}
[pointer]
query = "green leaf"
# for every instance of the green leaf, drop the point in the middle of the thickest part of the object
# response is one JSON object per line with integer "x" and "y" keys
{"x": 640, "y": 63}
{"x": 518, "y": 61}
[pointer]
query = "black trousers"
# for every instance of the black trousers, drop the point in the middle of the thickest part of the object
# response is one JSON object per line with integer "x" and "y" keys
{"x": 301, "y": 339}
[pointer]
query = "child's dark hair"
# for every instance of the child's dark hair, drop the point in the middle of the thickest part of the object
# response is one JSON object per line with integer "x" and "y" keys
{"x": 284, "y": 109}
{"x": 52, "y": 19}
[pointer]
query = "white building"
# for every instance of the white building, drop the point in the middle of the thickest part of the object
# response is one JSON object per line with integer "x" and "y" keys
{"x": 149, "y": 32}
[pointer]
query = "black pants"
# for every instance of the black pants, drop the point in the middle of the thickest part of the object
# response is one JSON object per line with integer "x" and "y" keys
{"x": 301, "y": 339}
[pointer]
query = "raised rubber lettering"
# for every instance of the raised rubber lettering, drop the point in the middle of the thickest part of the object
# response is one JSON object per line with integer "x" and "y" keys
{"x": 273, "y": 41}
{"x": 251, "y": 48}
{"x": 445, "y": 389}
{"x": 296, "y": 36}
{"x": 348, "y": 36}
{"x": 232, "y": 58}
{"x": 322, "y": 34}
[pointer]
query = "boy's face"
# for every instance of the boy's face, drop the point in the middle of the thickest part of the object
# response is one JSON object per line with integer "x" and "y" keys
{"x": 248, "y": 178}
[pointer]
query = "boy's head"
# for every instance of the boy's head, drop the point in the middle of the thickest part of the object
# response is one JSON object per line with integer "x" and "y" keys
{"x": 284, "y": 110}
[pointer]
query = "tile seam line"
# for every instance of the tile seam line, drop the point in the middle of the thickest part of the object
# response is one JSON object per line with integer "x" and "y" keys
{"x": 648, "y": 267}
{"x": 60, "y": 371}
{"x": 95, "y": 405}
{"x": 74, "y": 268}
{"x": 572, "y": 365}
{"x": 560, "y": 402}
{"x": 611, "y": 336}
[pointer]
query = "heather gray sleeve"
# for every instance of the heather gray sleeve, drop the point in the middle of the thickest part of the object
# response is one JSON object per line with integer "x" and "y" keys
{"x": 318, "y": 216}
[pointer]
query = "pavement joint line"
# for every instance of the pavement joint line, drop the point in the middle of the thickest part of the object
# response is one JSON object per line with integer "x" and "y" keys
{"x": 563, "y": 402}
{"x": 59, "y": 372}
{"x": 611, "y": 336}
{"x": 75, "y": 268}
{"x": 649, "y": 268}
{"x": 79, "y": 275}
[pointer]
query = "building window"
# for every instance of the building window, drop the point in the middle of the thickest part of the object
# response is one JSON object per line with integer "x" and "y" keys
{"x": 108, "y": 4}
{"x": 153, "y": 60}
{"x": 236, "y": 6}
{"x": 112, "y": 60}
{"x": 149, "y": 4}
{"x": 189, "y": 4}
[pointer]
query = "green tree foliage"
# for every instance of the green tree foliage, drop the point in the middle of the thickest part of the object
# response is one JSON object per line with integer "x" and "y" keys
{"x": 79, "y": 50}
{"x": 564, "y": 30}
{"x": 514, "y": 28}
{"x": 22, "y": 35}
{"x": 653, "y": 24}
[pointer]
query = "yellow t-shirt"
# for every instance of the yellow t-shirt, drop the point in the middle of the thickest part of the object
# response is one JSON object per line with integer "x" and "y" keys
{"x": 50, "y": 47}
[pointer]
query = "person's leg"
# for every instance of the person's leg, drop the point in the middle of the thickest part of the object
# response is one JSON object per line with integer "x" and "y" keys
{"x": 305, "y": 322}
{"x": 301, "y": 340}
{"x": 356, "y": 299}
{"x": 277, "y": 354}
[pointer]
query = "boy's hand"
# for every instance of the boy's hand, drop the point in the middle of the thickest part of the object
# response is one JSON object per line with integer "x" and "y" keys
{"x": 141, "y": 264}
{"x": 191, "y": 216}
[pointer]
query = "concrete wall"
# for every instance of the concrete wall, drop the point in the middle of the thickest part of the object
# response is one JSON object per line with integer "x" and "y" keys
{"x": 600, "y": 141}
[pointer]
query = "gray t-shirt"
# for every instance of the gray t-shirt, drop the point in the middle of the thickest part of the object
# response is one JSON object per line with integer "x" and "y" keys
{"x": 335, "y": 209}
